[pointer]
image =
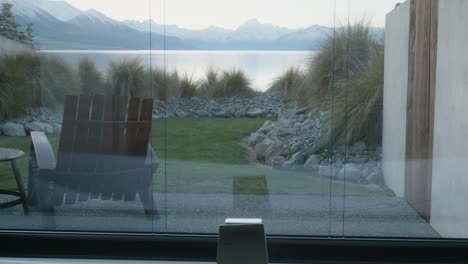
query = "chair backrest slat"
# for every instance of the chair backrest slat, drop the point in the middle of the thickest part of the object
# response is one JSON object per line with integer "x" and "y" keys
{"x": 101, "y": 138}
{"x": 67, "y": 134}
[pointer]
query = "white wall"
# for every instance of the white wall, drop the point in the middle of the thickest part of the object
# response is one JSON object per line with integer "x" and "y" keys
{"x": 8, "y": 46}
{"x": 395, "y": 97}
{"x": 449, "y": 210}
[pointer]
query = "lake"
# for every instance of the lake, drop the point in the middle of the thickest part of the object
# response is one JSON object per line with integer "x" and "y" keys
{"x": 262, "y": 67}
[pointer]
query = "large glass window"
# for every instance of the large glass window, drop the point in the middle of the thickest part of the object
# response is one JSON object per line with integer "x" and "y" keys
{"x": 324, "y": 118}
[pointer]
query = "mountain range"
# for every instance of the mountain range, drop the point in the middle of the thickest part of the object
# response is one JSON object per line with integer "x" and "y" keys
{"x": 59, "y": 25}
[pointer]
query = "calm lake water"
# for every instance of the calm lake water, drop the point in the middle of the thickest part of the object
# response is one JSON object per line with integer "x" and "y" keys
{"x": 260, "y": 66}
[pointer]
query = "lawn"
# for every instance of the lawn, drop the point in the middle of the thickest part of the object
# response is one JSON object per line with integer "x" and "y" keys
{"x": 204, "y": 155}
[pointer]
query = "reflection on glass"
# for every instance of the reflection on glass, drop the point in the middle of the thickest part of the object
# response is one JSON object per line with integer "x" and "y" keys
{"x": 344, "y": 119}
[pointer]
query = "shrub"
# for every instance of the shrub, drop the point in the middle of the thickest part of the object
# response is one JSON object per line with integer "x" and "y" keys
{"x": 91, "y": 81}
{"x": 128, "y": 77}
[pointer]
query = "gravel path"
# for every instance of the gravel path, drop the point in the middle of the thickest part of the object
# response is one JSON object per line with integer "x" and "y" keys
{"x": 375, "y": 216}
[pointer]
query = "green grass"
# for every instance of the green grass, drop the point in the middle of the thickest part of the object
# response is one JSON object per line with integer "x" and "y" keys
{"x": 205, "y": 156}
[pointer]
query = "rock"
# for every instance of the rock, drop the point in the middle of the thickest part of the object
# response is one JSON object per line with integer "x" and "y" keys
{"x": 180, "y": 113}
{"x": 350, "y": 172}
{"x": 203, "y": 113}
{"x": 39, "y": 126}
{"x": 302, "y": 111}
{"x": 57, "y": 128}
{"x": 240, "y": 113}
{"x": 13, "y": 130}
{"x": 273, "y": 151}
{"x": 277, "y": 161}
{"x": 267, "y": 127}
{"x": 222, "y": 113}
{"x": 255, "y": 112}
{"x": 296, "y": 160}
{"x": 325, "y": 171}
{"x": 256, "y": 138}
{"x": 313, "y": 162}
{"x": 358, "y": 147}
{"x": 283, "y": 132}
{"x": 375, "y": 177}
{"x": 194, "y": 98}
{"x": 261, "y": 150}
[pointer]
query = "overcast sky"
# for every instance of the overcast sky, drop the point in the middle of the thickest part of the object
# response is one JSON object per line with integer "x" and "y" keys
{"x": 197, "y": 14}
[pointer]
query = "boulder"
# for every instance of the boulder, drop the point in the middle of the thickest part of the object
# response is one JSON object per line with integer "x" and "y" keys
{"x": 222, "y": 113}
{"x": 13, "y": 130}
{"x": 273, "y": 151}
{"x": 261, "y": 150}
{"x": 196, "y": 99}
{"x": 295, "y": 160}
{"x": 375, "y": 177}
{"x": 256, "y": 138}
{"x": 39, "y": 126}
{"x": 255, "y": 112}
{"x": 313, "y": 162}
{"x": 282, "y": 132}
{"x": 325, "y": 170}
{"x": 180, "y": 113}
{"x": 358, "y": 147}
{"x": 240, "y": 113}
{"x": 350, "y": 172}
{"x": 57, "y": 128}
{"x": 302, "y": 111}
{"x": 277, "y": 161}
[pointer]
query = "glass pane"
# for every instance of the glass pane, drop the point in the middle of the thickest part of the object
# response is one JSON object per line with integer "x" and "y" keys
{"x": 324, "y": 118}
{"x": 75, "y": 82}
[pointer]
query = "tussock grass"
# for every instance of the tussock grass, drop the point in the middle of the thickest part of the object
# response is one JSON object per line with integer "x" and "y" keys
{"x": 29, "y": 80}
{"x": 188, "y": 87}
{"x": 350, "y": 86}
{"x": 289, "y": 85}
{"x": 91, "y": 80}
{"x": 128, "y": 77}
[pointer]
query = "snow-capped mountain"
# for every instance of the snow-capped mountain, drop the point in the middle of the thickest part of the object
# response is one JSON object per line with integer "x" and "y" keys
{"x": 33, "y": 8}
{"x": 59, "y": 25}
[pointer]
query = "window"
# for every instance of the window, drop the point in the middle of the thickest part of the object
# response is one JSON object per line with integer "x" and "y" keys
{"x": 327, "y": 119}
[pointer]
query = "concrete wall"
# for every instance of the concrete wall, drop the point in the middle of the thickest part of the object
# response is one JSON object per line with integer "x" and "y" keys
{"x": 395, "y": 97}
{"x": 8, "y": 46}
{"x": 449, "y": 211}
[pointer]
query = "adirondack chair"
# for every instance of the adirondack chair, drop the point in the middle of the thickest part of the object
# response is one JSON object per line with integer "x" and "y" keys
{"x": 103, "y": 154}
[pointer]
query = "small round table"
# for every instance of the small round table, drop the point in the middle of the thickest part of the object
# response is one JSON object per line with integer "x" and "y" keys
{"x": 11, "y": 155}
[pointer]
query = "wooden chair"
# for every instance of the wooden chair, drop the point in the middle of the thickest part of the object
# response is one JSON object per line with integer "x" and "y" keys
{"x": 104, "y": 153}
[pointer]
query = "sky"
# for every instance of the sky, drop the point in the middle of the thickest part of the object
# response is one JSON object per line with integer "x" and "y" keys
{"x": 197, "y": 14}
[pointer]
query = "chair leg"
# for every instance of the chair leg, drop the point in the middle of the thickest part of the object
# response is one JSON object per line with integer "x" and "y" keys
{"x": 19, "y": 183}
{"x": 146, "y": 197}
{"x": 46, "y": 204}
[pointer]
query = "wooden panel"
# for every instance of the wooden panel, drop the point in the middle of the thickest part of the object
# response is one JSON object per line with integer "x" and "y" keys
{"x": 146, "y": 115}
{"x": 65, "y": 146}
{"x": 119, "y": 115}
{"x": 78, "y": 159}
{"x": 420, "y": 112}
{"x": 131, "y": 136}
{"x": 105, "y": 162}
{"x": 94, "y": 140}
{"x": 68, "y": 133}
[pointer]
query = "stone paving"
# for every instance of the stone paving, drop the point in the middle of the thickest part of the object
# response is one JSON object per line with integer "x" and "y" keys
{"x": 313, "y": 215}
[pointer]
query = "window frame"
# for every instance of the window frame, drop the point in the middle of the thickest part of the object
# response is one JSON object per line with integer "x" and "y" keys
{"x": 197, "y": 247}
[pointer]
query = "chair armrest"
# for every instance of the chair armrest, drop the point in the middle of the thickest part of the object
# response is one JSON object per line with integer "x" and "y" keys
{"x": 41, "y": 148}
{"x": 152, "y": 159}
